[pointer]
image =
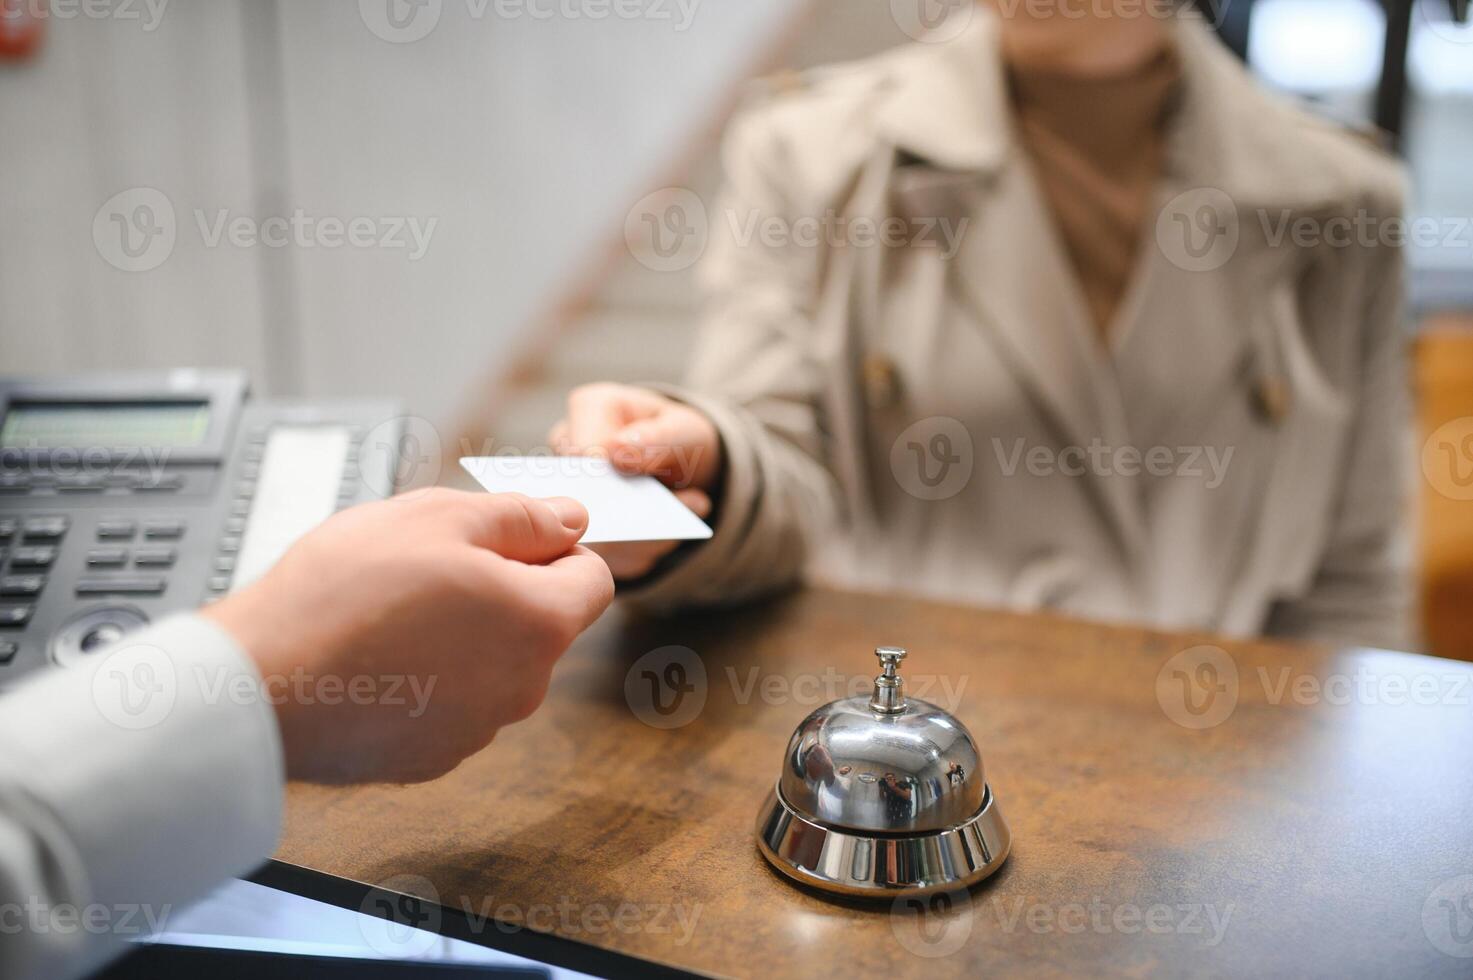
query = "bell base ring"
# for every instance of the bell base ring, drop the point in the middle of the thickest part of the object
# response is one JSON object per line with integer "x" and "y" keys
{"x": 855, "y": 864}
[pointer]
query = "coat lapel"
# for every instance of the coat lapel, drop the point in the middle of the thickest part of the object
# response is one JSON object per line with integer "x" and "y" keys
{"x": 1203, "y": 325}
{"x": 951, "y": 109}
{"x": 1013, "y": 274}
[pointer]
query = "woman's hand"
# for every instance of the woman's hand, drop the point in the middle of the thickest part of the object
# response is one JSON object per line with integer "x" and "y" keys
{"x": 642, "y": 431}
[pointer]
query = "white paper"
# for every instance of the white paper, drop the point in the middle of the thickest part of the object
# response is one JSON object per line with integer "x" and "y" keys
{"x": 620, "y": 507}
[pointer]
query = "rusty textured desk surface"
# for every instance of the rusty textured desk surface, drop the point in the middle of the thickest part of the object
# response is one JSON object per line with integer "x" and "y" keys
{"x": 1330, "y": 836}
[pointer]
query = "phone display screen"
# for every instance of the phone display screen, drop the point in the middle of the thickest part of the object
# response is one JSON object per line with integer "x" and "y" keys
{"x": 109, "y": 425}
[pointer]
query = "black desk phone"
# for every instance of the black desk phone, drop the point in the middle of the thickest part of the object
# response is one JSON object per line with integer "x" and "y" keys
{"x": 124, "y": 498}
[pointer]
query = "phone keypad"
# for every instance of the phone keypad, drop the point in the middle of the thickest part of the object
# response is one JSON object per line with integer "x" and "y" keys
{"x": 34, "y": 541}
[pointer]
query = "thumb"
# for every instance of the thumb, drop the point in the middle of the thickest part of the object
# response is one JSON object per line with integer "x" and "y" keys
{"x": 530, "y": 531}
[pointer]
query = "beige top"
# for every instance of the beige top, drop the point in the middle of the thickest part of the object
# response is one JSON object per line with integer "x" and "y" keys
{"x": 1097, "y": 146}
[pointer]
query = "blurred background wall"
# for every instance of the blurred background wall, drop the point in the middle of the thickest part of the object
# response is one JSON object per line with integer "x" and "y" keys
{"x": 514, "y": 143}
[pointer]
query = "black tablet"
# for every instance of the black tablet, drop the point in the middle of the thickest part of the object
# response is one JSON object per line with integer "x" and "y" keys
{"x": 289, "y": 921}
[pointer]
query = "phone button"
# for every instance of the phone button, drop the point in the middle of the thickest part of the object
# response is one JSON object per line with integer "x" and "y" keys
{"x": 24, "y": 585}
{"x": 163, "y": 530}
{"x": 81, "y": 484}
{"x": 121, "y": 585}
{"x": 107, "y": 557}
{"x": 8, "y": 650}
{"x": 32, "y": 557}
{"x": 154, "y": 557}
{"x": 45, "y": 528}
{"x": 116, "y": 530}
{"x": 93, "y": 630}
{"x": 15, "y": 615}
{"x": 167, "y": 483}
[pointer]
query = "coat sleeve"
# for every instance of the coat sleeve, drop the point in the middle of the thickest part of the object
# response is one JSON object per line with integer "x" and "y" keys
{"x": 127, "y": 789}
{"x": 757, "y": 375}
{"x": 1361, "y": 594}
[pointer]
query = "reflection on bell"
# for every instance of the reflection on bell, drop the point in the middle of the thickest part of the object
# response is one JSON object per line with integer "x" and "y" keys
{"x": 883, "y": 796}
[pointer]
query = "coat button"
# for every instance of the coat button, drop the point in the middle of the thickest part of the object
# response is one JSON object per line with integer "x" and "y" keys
{"x": 881, "y": 381}
{"x": 1271, "y": 398}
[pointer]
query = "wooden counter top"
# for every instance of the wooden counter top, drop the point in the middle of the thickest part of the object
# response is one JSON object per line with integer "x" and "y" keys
{"x": 1323, "y": 828}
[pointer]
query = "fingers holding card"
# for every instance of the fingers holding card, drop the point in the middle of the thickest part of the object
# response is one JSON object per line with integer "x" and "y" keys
{"x": 620, "y": 508}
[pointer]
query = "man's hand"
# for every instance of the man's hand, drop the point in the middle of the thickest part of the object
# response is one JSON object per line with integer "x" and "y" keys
{"x": 642, "y": 431}
{"x": 475, "y": 594}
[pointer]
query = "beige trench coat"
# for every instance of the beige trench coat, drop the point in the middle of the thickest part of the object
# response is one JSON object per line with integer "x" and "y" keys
{"x": 937, "y": 414}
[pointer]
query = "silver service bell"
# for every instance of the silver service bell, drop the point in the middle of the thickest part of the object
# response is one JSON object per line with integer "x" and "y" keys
{"x": 883, "y": 796}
